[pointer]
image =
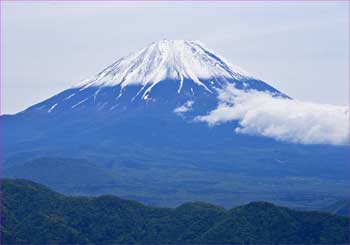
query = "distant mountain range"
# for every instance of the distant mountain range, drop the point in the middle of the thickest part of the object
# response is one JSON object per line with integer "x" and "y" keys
{"x": 175, "y": 122}
{"x": 34, "y": 214}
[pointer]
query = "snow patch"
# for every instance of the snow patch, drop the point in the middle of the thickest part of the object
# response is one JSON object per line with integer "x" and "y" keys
{"x": 70, "y": 96}
{"x": 112, "y": 108}
{"x": 192, "y": 92}
{"x": 80, "y": 102}
{"x": 52, "y": 107}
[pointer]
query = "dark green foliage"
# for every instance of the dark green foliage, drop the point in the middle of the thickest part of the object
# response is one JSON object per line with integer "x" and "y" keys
{"x": 32, "y": 213}
{"x": 265, "y": 223}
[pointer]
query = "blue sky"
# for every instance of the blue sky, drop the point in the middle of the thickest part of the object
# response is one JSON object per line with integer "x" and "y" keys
{"x": 300, "y": 48}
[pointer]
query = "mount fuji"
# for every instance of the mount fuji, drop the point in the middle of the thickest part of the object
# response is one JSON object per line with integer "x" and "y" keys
{"x": 164, "y": 75}
{"x": 141, "y": 125}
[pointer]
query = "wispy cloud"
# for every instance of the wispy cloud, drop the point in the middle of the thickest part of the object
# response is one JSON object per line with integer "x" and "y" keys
{"x": 184, "y": 108}
{"x": 260, "y": 113}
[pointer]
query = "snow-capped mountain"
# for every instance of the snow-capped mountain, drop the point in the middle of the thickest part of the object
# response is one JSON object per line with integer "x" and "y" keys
{"x": 184, "y": 79}
{"x": 175, "y": 122}
{"x": 169, "y": 73}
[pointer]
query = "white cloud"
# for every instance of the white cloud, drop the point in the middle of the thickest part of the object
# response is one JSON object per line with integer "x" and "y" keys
{"x": 184, "y": 108}
{"x": 261, "y": 113}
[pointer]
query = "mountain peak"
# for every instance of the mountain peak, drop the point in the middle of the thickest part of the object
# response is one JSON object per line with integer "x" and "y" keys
{"x": 166, "y": 60}
{"x": 172, "y": 74}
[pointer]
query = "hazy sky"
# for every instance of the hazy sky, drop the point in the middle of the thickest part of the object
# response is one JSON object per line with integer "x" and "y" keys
{"x": 300, "y": 48}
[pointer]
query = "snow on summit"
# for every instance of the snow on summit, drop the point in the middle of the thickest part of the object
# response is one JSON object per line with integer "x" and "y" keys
{"x": 167, "y": 73}
{"x": 166, "y": 59}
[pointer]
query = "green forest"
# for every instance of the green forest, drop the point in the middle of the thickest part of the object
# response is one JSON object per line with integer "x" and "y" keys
{"x": 33, "y": 213}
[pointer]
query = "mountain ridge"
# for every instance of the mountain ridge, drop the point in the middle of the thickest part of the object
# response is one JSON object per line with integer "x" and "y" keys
{"x": 32, "y": 213}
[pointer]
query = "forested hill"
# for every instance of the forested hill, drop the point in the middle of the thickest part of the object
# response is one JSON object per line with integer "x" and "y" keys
{"x": 32, "y": 213}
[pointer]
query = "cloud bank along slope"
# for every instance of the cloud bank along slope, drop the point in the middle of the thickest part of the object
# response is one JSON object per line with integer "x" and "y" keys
{"x": 265, "y": 114}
